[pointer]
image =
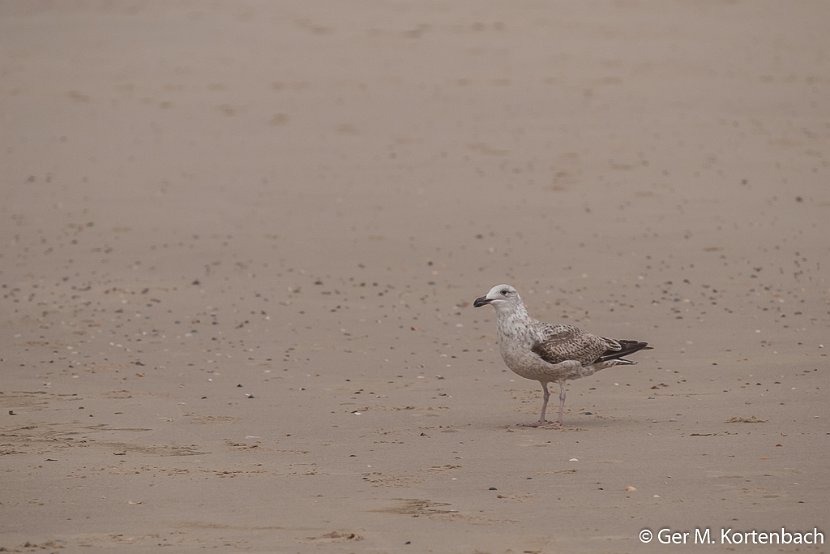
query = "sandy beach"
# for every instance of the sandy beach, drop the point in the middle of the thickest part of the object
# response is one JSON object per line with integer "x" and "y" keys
{"x": 241, "y": 242}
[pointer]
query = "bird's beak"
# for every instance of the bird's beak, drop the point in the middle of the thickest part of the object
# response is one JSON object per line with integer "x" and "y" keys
{"x": 482, "y": 301}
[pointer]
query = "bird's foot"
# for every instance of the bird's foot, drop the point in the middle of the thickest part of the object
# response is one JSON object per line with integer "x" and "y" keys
{"x": 543, "y": 423}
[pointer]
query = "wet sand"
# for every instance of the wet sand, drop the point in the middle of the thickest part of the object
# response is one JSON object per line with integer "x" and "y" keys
{"x": 240, "y": 243}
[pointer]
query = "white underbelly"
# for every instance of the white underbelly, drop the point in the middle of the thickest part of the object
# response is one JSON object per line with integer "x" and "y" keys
{"x": 530, "y": 366}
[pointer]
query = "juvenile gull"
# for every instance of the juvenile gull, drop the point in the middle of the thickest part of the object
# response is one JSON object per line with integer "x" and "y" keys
{"x": 550, "y": 352}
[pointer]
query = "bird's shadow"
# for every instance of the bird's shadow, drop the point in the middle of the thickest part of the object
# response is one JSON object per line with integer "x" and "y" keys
{"x": 584, "y": 424}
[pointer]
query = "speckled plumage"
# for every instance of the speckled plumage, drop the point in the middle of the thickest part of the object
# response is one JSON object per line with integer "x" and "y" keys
{"x": 548, "y": 352}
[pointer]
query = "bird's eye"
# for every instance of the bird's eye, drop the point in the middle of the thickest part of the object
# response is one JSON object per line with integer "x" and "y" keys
{"x": 505, "y": 292}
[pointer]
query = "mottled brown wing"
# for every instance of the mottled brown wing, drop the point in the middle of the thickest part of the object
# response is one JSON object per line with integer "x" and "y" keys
{"x": 566, "y": 342}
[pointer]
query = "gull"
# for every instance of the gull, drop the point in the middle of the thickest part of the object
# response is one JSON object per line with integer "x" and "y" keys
{"x": 550, "y": 352}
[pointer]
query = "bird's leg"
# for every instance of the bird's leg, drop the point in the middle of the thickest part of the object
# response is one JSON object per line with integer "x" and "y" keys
{"x": 561, "y": 400}
{"x": 545, "y": 397}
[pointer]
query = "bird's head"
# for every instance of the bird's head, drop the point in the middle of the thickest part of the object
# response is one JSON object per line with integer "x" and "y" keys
{"x": 501, "y": 297}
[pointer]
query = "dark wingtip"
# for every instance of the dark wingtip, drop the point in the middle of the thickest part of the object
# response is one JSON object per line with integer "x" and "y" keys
{"x": 627, "y": 347}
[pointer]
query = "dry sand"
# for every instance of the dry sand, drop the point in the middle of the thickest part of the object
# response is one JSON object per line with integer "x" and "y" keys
{"x": 240, "y": 242}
